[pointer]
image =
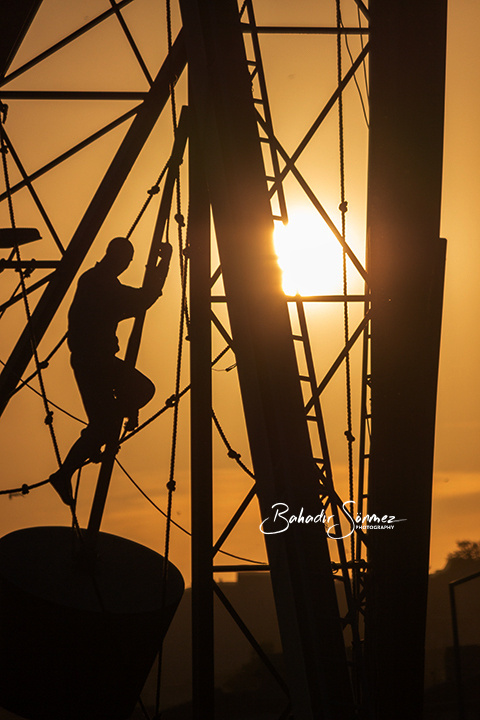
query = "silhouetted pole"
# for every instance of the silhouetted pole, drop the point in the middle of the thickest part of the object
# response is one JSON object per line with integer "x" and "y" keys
{"x": 457, "y": 657}
{"x": 284, "y": 468}
{"x": 201, "y": 431}
{"x": 406, "y": 267}
{"x": 457, "y": 654}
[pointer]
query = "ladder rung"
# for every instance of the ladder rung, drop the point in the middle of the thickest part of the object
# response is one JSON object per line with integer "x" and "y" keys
{"x": 297, "y": 337}
{"x": 277, "y": 217}
{"x": 305, "y": 378}
{"x": 312, "y": 418}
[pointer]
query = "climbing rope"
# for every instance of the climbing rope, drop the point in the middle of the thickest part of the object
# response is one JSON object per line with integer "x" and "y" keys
{"x": 232, "y": 454}
{"x": 154, "y": 190}
{"x": 183, "y": 260}
{"x": 43, "y": 366}
{"x": 48, "y": 411}
{"x": 343, "y": 207}
{"x": 169, "y": 403}
{"x": 176, "y": 524}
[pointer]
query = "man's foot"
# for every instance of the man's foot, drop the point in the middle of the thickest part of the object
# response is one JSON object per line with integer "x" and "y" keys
{"x": 63, "y": 486}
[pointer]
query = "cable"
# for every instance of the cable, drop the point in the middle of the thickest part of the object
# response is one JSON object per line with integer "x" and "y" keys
{"x": 48, "y": 412}
{"x": 154, "y": 190}
{"x": 171, "y": 485}
{"x": 362, "y": 102}
{"x": 177, "y": 525}
{"x": 43, "y": 366}
{"x": 25, "y": 489}
{"x": 365, "y": 74}
{"x": 343, "y": 207}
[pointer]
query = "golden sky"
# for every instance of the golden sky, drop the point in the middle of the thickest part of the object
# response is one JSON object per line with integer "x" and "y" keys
{"x": 301, "y": 75}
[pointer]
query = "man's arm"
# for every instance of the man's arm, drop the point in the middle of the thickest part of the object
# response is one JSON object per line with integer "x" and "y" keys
{"x": 129, "y": 301}
{"x": 155, "y": 282}
{"x": 165, "y": 254}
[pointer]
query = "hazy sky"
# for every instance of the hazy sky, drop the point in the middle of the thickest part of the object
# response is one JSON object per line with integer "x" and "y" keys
{"x": 301, "y": 74}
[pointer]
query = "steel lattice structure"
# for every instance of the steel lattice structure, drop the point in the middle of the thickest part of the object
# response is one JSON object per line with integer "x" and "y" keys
{"x": 240, "y": 171}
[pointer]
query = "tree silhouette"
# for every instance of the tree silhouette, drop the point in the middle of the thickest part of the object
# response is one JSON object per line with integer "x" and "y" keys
{"x": 466, "y": 550}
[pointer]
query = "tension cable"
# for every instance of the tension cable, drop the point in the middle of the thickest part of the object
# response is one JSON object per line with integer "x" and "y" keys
{"x": 343, "y": 207}
{"x": 48, "y": 411}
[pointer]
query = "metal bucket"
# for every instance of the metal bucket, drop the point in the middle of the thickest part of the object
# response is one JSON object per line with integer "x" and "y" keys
{"x": 79, "y": 637}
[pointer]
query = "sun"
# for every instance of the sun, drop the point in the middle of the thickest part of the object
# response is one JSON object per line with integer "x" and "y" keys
{"x": 309, "y": 255}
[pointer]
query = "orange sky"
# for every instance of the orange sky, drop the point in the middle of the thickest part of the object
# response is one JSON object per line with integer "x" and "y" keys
{"x": 301, "y": 76}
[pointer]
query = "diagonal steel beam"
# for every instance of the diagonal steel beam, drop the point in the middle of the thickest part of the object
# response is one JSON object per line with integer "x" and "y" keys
{"x": 16, "y": 19}
{"x": 94, "y": 217}
{"x": 284, "y": 468}
{"x": 330, "y": 104}
{"x": 62, "y": 43}
{"x": 71, "y": 152}
{"x": 321, "y": 211}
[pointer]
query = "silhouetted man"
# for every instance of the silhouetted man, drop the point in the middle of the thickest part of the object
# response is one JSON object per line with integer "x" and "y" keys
{"x": 110, "y": 388}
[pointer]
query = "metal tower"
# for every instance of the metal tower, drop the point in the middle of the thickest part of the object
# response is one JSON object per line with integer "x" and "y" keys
{"x": 350, "y": 602}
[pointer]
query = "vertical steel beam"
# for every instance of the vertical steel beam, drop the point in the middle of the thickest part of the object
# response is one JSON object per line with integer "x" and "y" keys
{"x": 278, "y": 435}
{"x": 93, "y": 219}
{"x": 133, "y": 347}
{"x": 406, "y": 267}
{"x": 201, "y": 433}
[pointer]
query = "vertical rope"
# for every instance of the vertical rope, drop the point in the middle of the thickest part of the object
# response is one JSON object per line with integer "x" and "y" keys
{"x": 343, "y": 207}
{"x": 171, "y": 484}
{"x": 48, "y": 412}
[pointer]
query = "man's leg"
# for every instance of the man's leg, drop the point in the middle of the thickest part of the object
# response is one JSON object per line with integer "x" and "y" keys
{"x": 95, "y": 383}
{"x": 133, "y": 390}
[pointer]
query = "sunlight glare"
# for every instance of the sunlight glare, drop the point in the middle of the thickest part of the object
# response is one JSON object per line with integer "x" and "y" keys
{"x": 309, "y": 256}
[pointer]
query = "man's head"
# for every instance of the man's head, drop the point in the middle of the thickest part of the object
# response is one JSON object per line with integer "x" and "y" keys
{"x": 119, "y": 254}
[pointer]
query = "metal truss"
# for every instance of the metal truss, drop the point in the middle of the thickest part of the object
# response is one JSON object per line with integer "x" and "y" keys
{"x": 294, "y": 173}
{"x": 349, "y": 565}
{"x": 68, "y": 255}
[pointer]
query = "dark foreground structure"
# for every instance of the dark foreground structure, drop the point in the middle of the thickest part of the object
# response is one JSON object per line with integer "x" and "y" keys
{"x": 384, "y": 577}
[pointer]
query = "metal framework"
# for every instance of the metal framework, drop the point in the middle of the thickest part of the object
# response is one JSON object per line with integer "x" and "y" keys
{"x": 241, "y": 172}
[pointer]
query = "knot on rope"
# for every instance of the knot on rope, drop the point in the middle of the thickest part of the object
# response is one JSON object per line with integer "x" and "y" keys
{"x": 171, "y": 485}
{"x": 233, "y": 454}
{"x": 4, "y": 150}
{"x": 179, "y": 218}
{"x": 43, "y": 365}
{"x": 343, "y": 207}
{"x": 49, "y": 418}
{"x": 171, "y": 401}
{"x": 154, "y": 190}
{"x": 3, "y": 112}
{"x": 25, "y": 489}
{"x": 349, "y": 436}
{"x": 29, "y": 268}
